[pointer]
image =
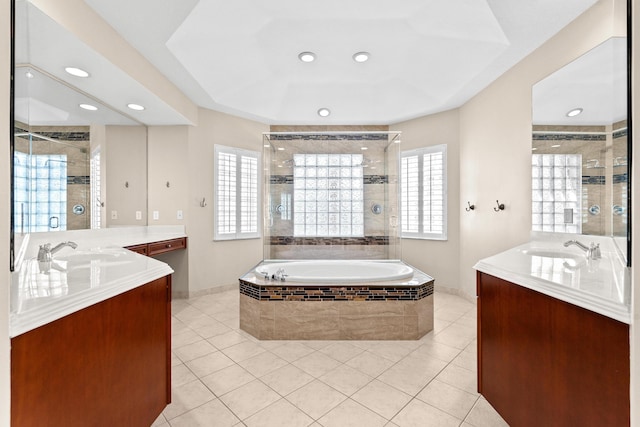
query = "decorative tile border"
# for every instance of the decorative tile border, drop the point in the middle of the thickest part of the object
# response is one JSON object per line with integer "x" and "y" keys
{"x": 568, "y": 137}
{"x": 327, "y": 241}
{"x": 620, "y": 178}
{"x": 594, "y": 180}
{"x": 383, "y": 136}
{"x": 80, "y": 179}
{"x": 367, "y": 179}
{"x": 337, "y": 292}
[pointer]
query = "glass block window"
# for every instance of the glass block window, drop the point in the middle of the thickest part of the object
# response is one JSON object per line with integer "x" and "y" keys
{"x": 96, "y": 196}
{"x": 40, "y": 192}
{"x": 237, "y": 195}
{"x": 423, "y": 193}
{"x": 328, "y": 195}
{"x": 556, "y": 187}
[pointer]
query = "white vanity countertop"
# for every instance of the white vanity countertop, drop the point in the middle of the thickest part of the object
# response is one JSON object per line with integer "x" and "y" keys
{"x": 98, "y": 269}
{"x": 546, "y": 266}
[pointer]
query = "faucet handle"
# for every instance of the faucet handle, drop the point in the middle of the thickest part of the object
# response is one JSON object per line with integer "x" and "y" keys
{"x": 594, "y": 250}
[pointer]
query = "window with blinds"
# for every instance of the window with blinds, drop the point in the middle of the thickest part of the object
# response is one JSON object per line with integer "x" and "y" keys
{"x": 237, "y": 193}
{"x": 556, "y": 192}
{"x": 423, "y": 193}
{"x": 328, "y": 195}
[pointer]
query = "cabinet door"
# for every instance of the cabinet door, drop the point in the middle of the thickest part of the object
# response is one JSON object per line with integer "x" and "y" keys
{"x": 108, "y": 364}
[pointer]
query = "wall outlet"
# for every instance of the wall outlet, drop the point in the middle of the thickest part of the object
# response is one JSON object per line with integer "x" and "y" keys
{"x": 138, "y": 215}
{"x": 114, "y": 214}
{"x": 179, "y": 215}
{"x": 156, "y": 215}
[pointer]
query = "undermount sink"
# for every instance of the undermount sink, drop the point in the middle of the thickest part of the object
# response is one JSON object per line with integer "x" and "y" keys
{"x": 103, "y": 256}
{"x": 550, "y": 253}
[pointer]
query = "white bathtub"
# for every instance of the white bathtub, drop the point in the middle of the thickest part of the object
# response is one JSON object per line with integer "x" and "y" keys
{"x": 337, "y": 271}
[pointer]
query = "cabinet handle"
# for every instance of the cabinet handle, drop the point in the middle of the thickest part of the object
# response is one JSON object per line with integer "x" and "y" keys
{"x": 168, "y": 245}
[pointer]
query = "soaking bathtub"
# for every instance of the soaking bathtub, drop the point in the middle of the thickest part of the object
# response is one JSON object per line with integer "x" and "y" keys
{"x": 336, "y": 299}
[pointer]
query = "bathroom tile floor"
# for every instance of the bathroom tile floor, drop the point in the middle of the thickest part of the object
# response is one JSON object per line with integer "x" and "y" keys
{"x": 225, "y": 377}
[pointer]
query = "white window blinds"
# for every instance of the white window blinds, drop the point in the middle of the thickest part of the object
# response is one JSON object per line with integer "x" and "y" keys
{"x": 423, "y": 197}
{"x": 237, "y": 195}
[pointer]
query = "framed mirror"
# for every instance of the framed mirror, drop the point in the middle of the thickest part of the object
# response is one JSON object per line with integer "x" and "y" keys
{"x": 581, "y": 146}
{"x": 77, "y": 162}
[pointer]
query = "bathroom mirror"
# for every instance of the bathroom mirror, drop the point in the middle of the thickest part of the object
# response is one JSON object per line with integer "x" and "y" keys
{"x": 78, "y": 163}
{"x": 581, "y": 146}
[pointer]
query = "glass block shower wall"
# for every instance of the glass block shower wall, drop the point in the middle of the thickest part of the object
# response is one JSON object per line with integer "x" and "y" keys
{"x": 331, "y": 195}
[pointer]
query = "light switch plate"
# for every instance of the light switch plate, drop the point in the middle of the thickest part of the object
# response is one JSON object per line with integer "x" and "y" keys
{"x": 179, "y": 215}
{"x": 156, "y": 215}
{"x": 114, "y": 214}
{"x": 138, "y": 215}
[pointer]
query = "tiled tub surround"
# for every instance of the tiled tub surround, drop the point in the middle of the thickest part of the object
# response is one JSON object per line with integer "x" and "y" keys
{"x": 385, "y": 310}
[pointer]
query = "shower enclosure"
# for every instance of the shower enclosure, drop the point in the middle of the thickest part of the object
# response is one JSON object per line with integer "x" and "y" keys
{"x": 331, "y": 195}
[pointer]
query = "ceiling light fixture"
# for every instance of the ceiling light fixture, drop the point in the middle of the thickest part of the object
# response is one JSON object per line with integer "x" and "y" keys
{"x": 324, "y": 112}
{"x": 307, "y": 56}
{"x": 361, "y": 56}
{"x": 555, "y": 146}
{"x": 136, "y": 107}
{"x": 364, "y": 148}
{"x": 78, "y": 72}
{"x": 29, "y": 75}
{"x": 88, "y": 107}
{"x": 574, "y": 112}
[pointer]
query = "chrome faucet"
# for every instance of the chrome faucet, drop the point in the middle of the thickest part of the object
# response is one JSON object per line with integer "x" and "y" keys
{"x": 45, "y": 253}
{"x": 593, "y": 250}
{"x": 279, "y": 275}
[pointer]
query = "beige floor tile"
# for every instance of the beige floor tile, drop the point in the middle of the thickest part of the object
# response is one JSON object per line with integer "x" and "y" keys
{"x": 208, "y": 364}
{"x": 280, "y": 414}
{"x": 212, "y": 330}
{"x": 439, "y": 325}
{"x": 483, "y": 415}
{"x": 186, "y": 397}
{"x": 381, "y": 398}
{"x": 453, "y": 338}
{"x": 161, "y": 421}
{"x": 226, "y": 340}
{"x": 370, "y": 364}
{"x": 212, "y": 413}
{"x": 227, "y": 379}
{"x": 194, "y": 350}
{"x": 286, "y": 379}
{"x": 291, "y": 351}
{"x": 341, "y": 351}
{"x": 318, "y": 345}
{"x": 438, "y": 350}
{"x": 352, "y": 414}
{"x": 249, "y": 399}
{"x": 410, "y": 376}
{"x": 243, "y": 351}
{"x": 263, "y": 363}
{"x": 392, "y": 350}
{"x": 184, "y": 338}
{"x": 316, "y": 399}
{"x": 448, "y": 398}
{"x": 175, "y": 360}
{"x": 420, "y": 414}
{"x": 467, "y": 360}
{"x": 233, "y": 323}
{"x": 316, "y": 364}
{"x": 180, "y": 375}
{"x": 461, "y": 378}
{"x": 345, "y": 379}
{"x": 178, "y": 327}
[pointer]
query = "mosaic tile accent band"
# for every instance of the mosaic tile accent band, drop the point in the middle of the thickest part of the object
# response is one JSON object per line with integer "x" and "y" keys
{"x": 568, "y": 137}
{"x": 335, "y": 292}
{"x": 366, "y": 179}
{"x": 330, "y": 137}
{"x": 326, "y": 241}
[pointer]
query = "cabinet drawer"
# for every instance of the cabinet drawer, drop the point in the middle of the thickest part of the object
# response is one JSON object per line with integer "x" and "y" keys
{"x": 156, "y": 248}
{"x": 140, "y": 249}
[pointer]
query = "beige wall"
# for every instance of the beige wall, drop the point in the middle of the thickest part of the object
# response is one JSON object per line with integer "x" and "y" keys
{"x": 439, "y": 259}
{"x": 495, "y": 144}
{"x": 214, "y": 264}
{"x": 125, "y": 161}
{"x": 5, "y": 130}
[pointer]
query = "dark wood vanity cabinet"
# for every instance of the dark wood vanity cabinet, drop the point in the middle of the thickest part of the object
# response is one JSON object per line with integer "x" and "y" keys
{"x": 545, "y": 362}
{"x": 107, "y": 364}
{"x": 156, "y": 248}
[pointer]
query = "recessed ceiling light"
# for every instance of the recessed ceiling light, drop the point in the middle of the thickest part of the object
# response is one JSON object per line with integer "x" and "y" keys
{"x": 361, "y": 56}
{"x": 136, "y": 107}
{"x": 280, "y": 148}
{"x": 29, "y": 75}
{"x": 574, "y": 112}
{"x": 534, "y": 149}
{"x": 307, "y": 56}
{"x": 266, "y": 146}
{"x": 555, "y": 146}
{"x": 88, "y": 107}
{"x": 76, "y": 72}
{"x": 324, "y": 112}
{"x": 364, "y": 148}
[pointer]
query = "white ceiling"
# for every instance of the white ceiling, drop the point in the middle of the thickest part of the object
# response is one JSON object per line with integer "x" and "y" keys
{"x": 427, "y": 56}
{"x": 241, "y": 56}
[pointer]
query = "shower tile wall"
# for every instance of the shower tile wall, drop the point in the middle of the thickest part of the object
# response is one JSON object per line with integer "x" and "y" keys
{"x": 74, "y": 143}
{"x": 280, "y": 242}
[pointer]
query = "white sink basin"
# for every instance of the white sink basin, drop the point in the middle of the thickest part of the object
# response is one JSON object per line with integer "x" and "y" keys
{"x": 550, "y": 253}
{"x": 80, "y": 259}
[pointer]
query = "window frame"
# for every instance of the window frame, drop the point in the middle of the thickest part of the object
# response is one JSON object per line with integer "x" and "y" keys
{"x": 238, "y": 234}
{"x": 420, "y": 153}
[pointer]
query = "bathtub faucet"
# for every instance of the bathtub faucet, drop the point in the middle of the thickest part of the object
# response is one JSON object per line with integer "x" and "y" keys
{"x": 593, "y": 250}
{"x": 279, "y": 275}
{"x": 45, "y": 253}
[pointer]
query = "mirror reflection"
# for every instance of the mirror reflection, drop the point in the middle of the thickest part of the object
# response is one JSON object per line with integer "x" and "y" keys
{"x": 580, "y": 145}
{"x": 78, "y": 163}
